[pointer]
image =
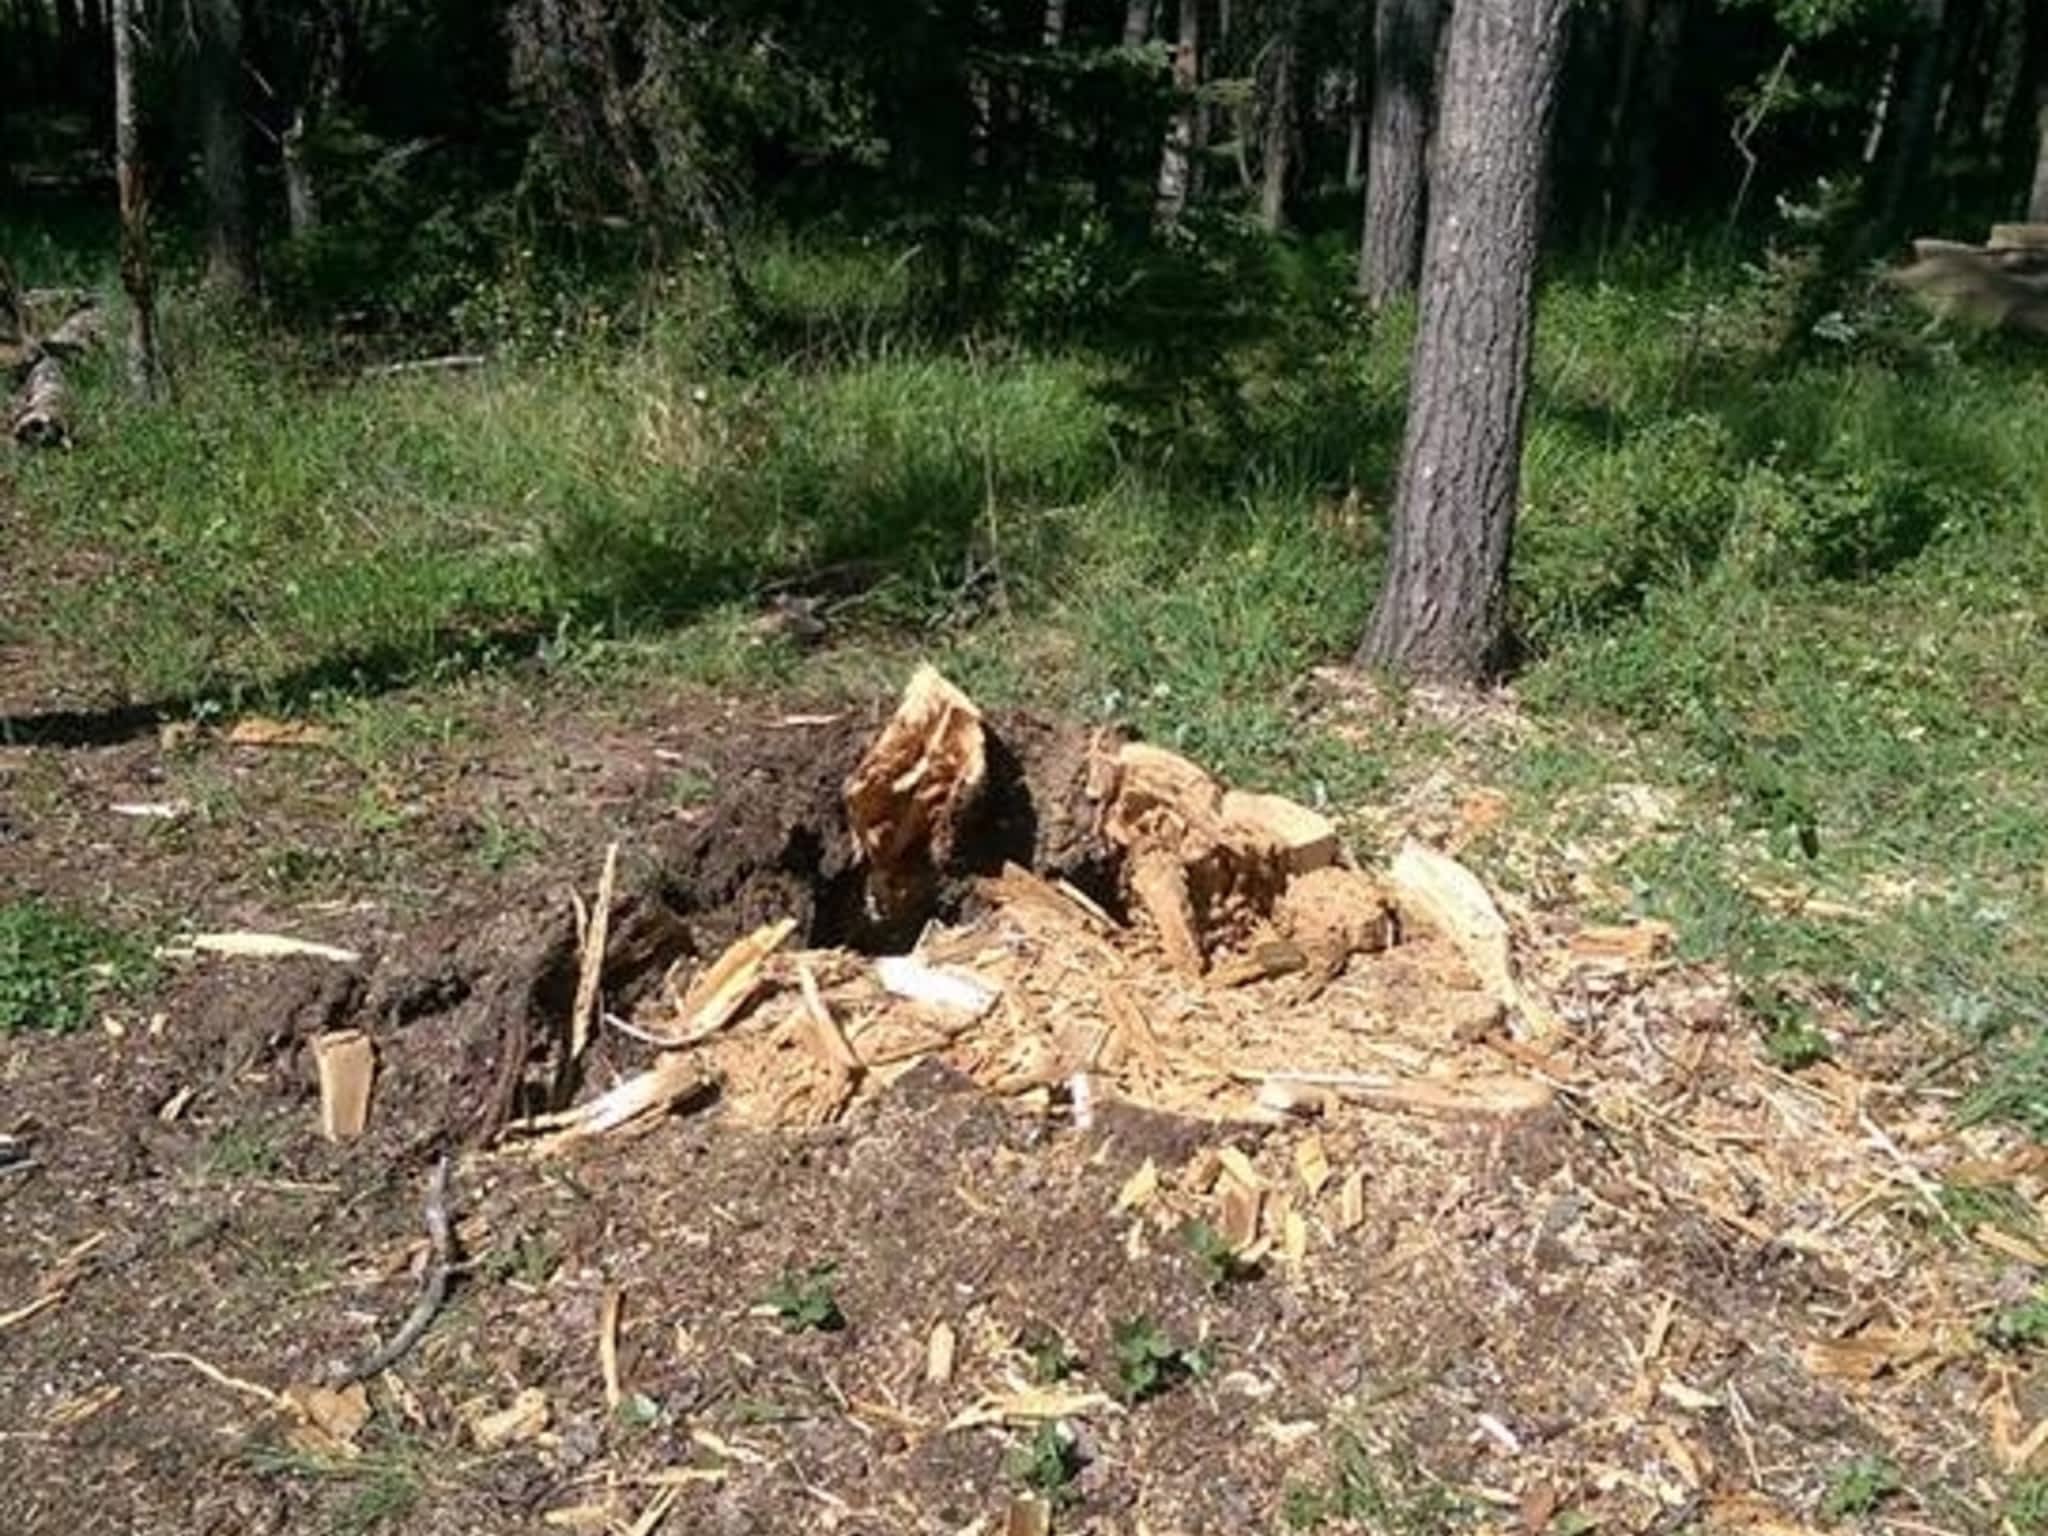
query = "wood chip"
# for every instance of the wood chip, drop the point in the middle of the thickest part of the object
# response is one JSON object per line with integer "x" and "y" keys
{"x": 914, "y": 981}
{"x": 1447, "y": 897}
{"x": 1027, "y": 1516}
{"x": 242, "y": 944}
{"x": 908, "y": 796}
{"x": 27, "y": 1310}
{"x": 1351, "y": 1202}
{"x": 1294, "y": 1238}
{"x": 608, "y": 1346}
{"x": 1640, "y": 943}
{"x": 1237, "y": 1217}
{"x": 1159, "y": 884}
{"x": 2001, "y": 1241}
{"x": 345, "y": 1063}
{"x": 328, "y": 1419}
{"x": 262, "y": 731}
{"x": 74, "y": 1411}
{"x": 939, "y": 1347}
{"x": 656, "y": 1511}
{"x": 1140, "y": 1188}
{"x": 675, "y": 1077}
{"x": 1239, "y": 1167}
{"x": 526, "y": 1416}
{"x": 1312, "y": 1165}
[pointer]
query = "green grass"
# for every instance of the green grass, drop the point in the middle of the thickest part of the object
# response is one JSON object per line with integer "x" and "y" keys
{"x": 1859, "y": 1487}
{"x": 1800, "y": 592}
{"x": 56, "y": 966}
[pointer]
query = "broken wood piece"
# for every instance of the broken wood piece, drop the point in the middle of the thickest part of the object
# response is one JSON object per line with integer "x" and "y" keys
{"x": 1479, "y": 1094}
{"x": 909, "y": 978}
{"x": 724, "y": 988}
{"x": 29, "y": 1309}
{"x": 608, "y": 1346}
{"x": 674, "y": 1077}
{"x": 1237, "y": 1214}
{"x": 1312, "y": 1165}
{"x": 1031, "y": 1405}
{"x": 1284, "y": 1100}
{"x": 590, "y": 972}
{"x": 1159, "y": 883}
{"x": 1639, "y": 943}
{"x": 827, "y": 1040}
{"x": 345, "y": 1063}
{"x": 262, "y": 731}
{"x": 526, "y": 1416}
{"x": 1448, "y": 898}
{"x": 1141, "y": 1188}
{"x": 1301, "y": 839}
{"x": 1027, "y": 1515}
{"x": 242, "y": 944}
{"x": 329, "y": 1419}
{"x": 911, "y": 791}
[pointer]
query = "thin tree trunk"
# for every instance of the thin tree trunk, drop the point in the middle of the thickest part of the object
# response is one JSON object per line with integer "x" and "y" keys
{"x": 2019, "y": 128}
{"x": 1974, "y": 61}
{"x": 224, "y": 160}
{"x": 1442, "y": 611}
{"x": 1354, "y": 143}
{"x": 1621, "y": 111}
{"x": 1659, "y": 78}
{"x": 1137, "y": 23}
{"x": 301, "y": 184}
{"x": 1176, "y": 160}
{"x": 1904, "y": 158}
{"x": 2037, "y": 200}
{"x": 140, "y": 349}
{"x": 1396, "y": 172}
{"x": 1281, "y": 128}
{"x": 1054, "y": 31}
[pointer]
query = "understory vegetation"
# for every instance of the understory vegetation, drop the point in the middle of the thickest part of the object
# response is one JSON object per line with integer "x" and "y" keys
{"x": 1791, "y": 573}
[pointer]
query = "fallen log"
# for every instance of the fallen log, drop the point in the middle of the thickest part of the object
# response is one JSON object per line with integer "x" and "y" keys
{"x": 2002, "y": 284}
{"x": 42, "y": 411}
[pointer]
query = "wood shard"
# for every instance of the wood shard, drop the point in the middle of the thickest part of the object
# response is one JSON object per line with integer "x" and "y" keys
{"x": 939, "y": 1349}
{"x": 1351, "y": 1202}
{"x": 725, "y": 987}
{"x": 1239, "y": 1167}
{"x": 1312, "y": 1165}
{"x": 590, "y": 971}
{"x": 1140, "y": 1188}
{"x": 608, "y": 1346}
{"x": 270, "y": 946}
{"x": 906, "y": 799}
{"x": 1027, "y": 1516}
{"x": 345, "y": 1063}
{"x": 1624, "y": 944}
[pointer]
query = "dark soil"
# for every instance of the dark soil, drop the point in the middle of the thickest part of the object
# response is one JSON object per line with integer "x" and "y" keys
{"x": 237, "y": 1236}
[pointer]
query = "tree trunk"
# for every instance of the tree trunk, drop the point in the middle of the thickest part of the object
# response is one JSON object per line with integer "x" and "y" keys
{"x": 1634, "y": 32}
{"x": 1281, "y": 129}
{"x": 140, "y": 350}
{"x": 323, "y": 78}
{"x": 1396, "y": 170}
{"x": 2020, "y": 130}
{"x": 2037, "y": 200}
{"x": 224, "y": 164}
{"x": 1442, "y": 611}
{"x": 1909, "y": 136}
{"x": 1137, "y": 23}
{"x": 1054, "y": 31}
{"x": 1176, "y": 160}
{"x": 1354, "y": 143}
{"x": 1659, "y": 78}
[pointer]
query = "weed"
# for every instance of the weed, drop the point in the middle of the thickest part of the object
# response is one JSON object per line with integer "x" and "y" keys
{"x": 1047, "y": 1463}
{"x": 2026, "y": 1506}
{"x": 529, "y": 1259}
{"x": 243, "y": 1151}
{"x": 803, "y": 1300}
{"x": 1148, "y": 1362}
{"x": 1392, "y": 1498}
{"x": 377, "y": 1490}
{"x": 1971, "y": 1206}
{"x": 1791, "y": 1040}
{"x": 1050, "y": 1357}
{"x": 1220, "y": 1263}
{"x": 638, "y": 1411}
{"x": 54, "y": 966}
{"x": 1859, "y": 1487}
{"x": 501, "y": 845}
{"x": 2024, "y": 1327}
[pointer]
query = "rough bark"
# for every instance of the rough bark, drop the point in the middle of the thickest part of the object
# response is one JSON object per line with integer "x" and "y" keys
{"x": 1397, "y": 155}
{"x": 1442, "y": 610}
{"x": 223, "y": 147}
{"x": 2019, "y": 134}
{"x": 1282, "y": 128}
{"x": 1176, "y": 159}
{"x": 140, "y": 348}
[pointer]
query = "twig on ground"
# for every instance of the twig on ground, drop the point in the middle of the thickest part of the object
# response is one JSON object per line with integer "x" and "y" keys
{"x": 433, "y": 1285}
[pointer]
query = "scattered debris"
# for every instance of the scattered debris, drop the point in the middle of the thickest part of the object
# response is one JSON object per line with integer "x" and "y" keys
{"x": 908, "y": 798}
{"x": 525, "y": 1417}
{"x": 907, "y": 977}
{"x": 593, "y": 931}
{"x": 939, "y": 1350}
{"x": 262, "y": 731}
{"x": 1031, "y": 1405}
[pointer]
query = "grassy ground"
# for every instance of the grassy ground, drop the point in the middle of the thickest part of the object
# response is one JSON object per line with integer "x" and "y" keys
{"x": 1793, "y": 582}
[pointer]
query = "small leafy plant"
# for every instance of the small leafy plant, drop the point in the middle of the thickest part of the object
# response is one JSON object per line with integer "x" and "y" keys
{"x": 803, "y": 1300}
{"x": 1148, "y": 1361}
{"x": 1859, "y": 1487}
{"x": 1047, "y": 1463}
{"x": 2020, "y": 1328}
{"x": 54, "y": 966}
{"x": 1221, "y": 1264}
{"x": 1051, "y": 1359}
